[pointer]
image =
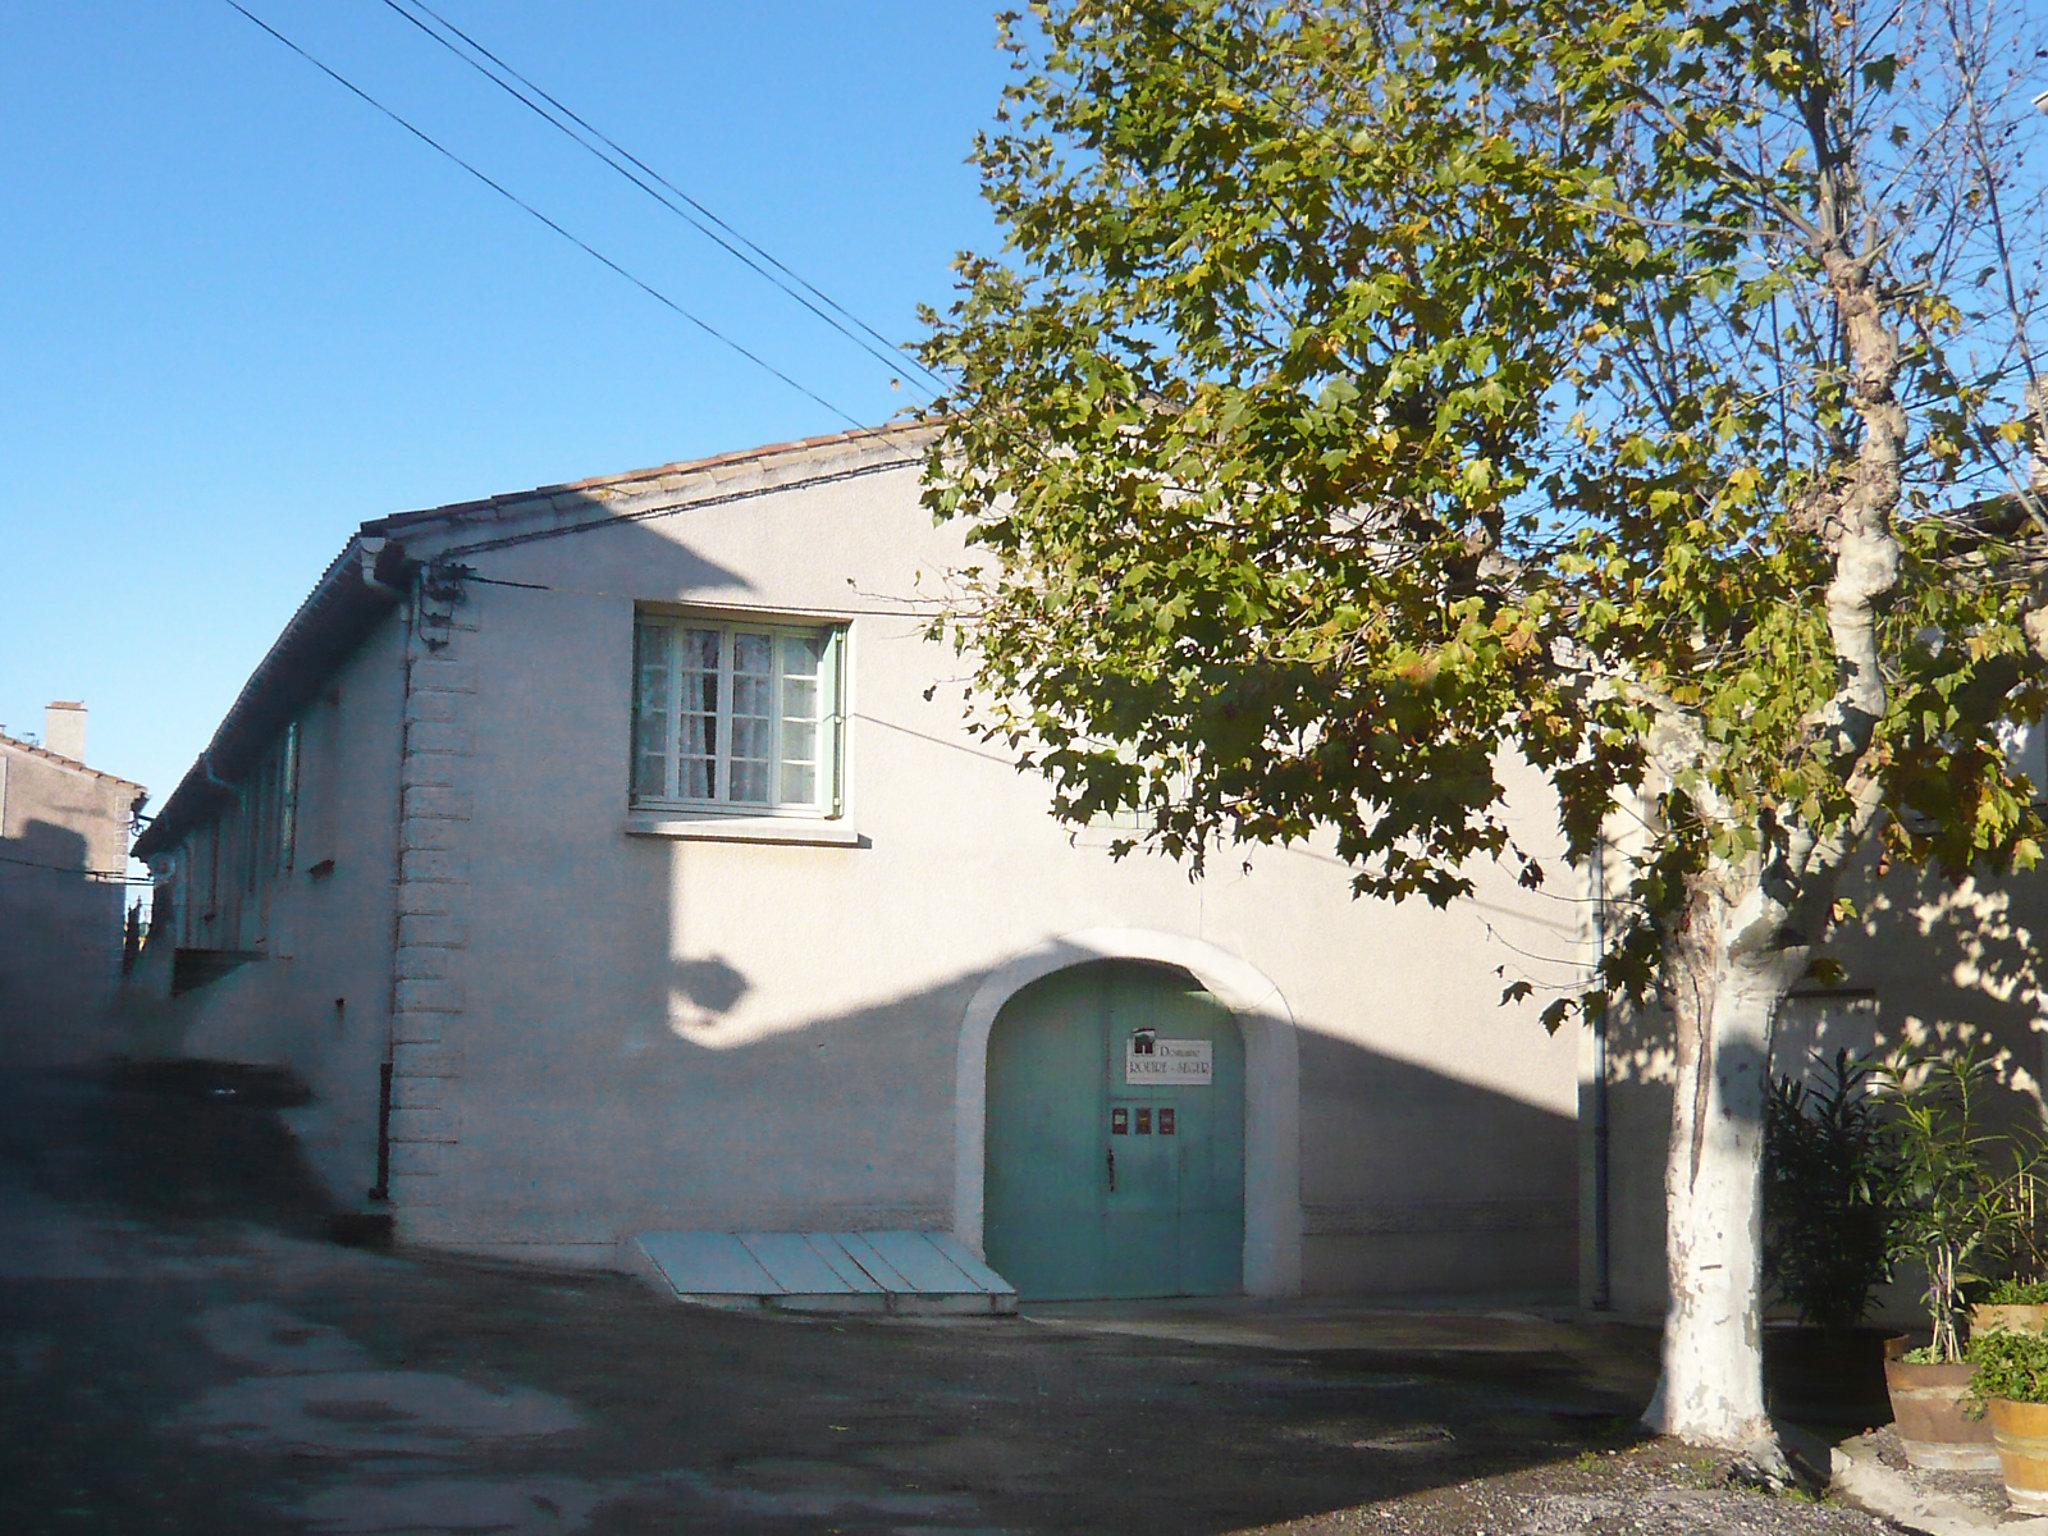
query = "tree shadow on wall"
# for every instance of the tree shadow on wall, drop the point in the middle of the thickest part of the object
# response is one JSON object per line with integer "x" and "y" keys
{"x": 1927, "y": 964}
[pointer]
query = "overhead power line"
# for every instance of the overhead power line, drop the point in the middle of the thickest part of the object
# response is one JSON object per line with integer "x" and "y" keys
{"x": 659, "y": 187}
{"x": 576, "y": 240}
{"x": 97, "y": 876}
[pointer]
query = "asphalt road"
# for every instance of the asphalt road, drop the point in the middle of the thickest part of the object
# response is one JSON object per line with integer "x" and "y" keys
{"x": 185, "y": 1350}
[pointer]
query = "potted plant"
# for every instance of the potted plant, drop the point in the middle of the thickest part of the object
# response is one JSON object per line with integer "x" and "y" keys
{"x": 2012, "y": 1383}
{"x": 1958, "y": 1209}
{"x": 2019, "y": 1303}
{"x": 2012, "y": 1306}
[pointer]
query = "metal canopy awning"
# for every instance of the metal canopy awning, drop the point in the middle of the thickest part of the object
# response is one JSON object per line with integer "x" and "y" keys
{"x": 901, "y": 1272}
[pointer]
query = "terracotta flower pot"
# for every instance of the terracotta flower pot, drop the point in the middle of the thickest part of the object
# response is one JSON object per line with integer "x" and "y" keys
{"x": 2020, "y": 1431}
{"x": 1927, "y": 1405}
{"x": 2008, "y": 1317}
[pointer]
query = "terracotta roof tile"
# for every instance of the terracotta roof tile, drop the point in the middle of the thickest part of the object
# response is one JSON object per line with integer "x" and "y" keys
{"x": 62, "y": 761}
{"x": 581, "y": 492}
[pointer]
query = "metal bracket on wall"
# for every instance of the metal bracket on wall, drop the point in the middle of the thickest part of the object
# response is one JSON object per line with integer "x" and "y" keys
{"x": 441, "y": 588}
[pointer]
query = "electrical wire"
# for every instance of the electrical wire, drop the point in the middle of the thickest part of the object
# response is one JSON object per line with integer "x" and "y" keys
{"x": 97, "y": 876}
{"x": 576, "y": 240}
{"x": 664, "y": 191}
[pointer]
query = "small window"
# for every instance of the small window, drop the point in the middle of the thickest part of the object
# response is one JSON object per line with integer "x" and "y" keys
{"x": 267, "y": 830}
{"x": 1121, "y": 818}
{"x": 1135, "y": 816}
{"x": 736, "y": 717}
{"x": 2026, "y": 751}
{"x": 287, "y": 840}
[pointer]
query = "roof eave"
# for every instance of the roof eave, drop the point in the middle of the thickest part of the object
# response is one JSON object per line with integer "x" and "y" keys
{"x": 362, "y": 584}
{"x": 908, "y": 438}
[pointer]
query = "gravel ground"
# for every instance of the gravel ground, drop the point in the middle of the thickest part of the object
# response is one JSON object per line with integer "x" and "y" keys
{"x": 184, "y": 1353}
{"x": 1655, "y": 1489}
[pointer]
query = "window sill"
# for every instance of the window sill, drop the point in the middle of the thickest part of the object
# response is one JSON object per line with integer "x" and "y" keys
{"x": 1097, "y": 835}
{"x": 815, "y": 831}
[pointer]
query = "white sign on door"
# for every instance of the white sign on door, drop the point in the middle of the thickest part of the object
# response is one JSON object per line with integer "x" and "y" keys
{"x": 1149, "y": 1059}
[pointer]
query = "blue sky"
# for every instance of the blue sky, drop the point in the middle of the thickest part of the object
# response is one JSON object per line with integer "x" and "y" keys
{"x": 242, "y": 312}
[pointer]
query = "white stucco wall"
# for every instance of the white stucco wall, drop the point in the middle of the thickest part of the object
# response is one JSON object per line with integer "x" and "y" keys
{"x": 637, "y": 1032}
{"x": 63, "y": 831}
{"x": 319, "y": 1000}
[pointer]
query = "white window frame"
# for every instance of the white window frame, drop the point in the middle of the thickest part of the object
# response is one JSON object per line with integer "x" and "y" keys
{"x": 2026, "y": 751}
{"x": 829, "y": 765}
{"x": 1132, "y": 822}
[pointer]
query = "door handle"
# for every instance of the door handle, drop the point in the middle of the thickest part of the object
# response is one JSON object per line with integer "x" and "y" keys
{"x": 1112, "y": 1170}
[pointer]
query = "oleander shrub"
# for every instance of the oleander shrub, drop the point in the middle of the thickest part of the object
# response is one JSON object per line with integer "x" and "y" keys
{"x": 1830, "y": 1181}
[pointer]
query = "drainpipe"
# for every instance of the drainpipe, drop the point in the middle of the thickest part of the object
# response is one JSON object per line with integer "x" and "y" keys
{"x": 1602, "y": 1290}
{"x": 378, "y": 553}
{"x": 206, "y": 769}
{"x": 381, "y": 1190}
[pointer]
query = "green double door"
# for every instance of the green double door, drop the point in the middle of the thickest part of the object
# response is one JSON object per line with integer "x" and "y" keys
{"x": 1115, "y": 1138}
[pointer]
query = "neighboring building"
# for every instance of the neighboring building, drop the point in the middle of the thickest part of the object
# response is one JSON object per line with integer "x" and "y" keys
{"x": 619, "y": 849}
{"x": 63, "y": 861}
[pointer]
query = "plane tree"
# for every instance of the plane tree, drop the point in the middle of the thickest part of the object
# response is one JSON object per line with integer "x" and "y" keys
{"x": 1366, "y": 396}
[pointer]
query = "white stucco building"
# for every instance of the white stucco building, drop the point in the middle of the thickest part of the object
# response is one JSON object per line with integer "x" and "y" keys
{"x": 614, "y": 857}
{"x": 64, "y": 830}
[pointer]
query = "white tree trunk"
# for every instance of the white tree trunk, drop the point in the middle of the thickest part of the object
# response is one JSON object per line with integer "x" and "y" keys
{"x": 1711, "y": 1391}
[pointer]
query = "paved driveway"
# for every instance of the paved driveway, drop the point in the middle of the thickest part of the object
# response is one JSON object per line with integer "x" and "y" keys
{"x": 185, "y": 1351}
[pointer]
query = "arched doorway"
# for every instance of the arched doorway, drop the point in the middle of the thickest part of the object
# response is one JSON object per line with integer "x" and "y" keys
{"x": 1115, "y": 1145}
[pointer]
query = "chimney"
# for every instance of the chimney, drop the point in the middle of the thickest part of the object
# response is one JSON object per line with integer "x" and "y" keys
{"x": 64, "y": 729}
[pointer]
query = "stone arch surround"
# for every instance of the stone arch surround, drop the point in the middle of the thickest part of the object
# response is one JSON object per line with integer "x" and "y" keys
{"x": 1272, "y": 1101}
